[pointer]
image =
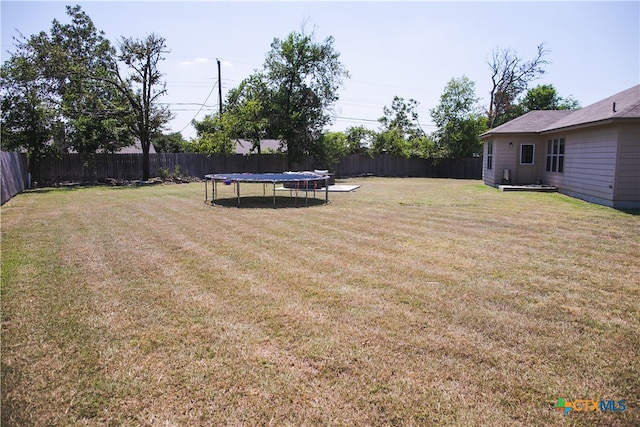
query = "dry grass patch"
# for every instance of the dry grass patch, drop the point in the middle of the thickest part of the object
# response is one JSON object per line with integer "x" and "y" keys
{"x": 407, "y": 302}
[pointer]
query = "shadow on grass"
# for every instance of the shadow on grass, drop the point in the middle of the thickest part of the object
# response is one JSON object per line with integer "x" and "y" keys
{"x": 634, "y": 212}
{"x": 76, "y": 186}
{"x": 266, "y": 202}
{"x": 45, "y": 190}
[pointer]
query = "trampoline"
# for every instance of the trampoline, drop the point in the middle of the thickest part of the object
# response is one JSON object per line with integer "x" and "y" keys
{"x": 295, "y": 181}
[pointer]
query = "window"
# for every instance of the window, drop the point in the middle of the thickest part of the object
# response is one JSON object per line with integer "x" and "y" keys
{"x": 490, "y": 155}
{"x": 526, "y": 154}
{"x": 555, "y": 155}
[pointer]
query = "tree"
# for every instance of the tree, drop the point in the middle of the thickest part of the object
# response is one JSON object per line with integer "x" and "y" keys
{"x": 172, "y": 143}
{"x": 28, "y": 122}
{"x": 332, "y": 147}
{"x": 402, "y": 116}
{"x": 142, "y": 88}
{"x": 52, "y": 76}
{"x": 75, "y": 93}
{"x": 303, "y": 78}
{"x": 391, "y": 141}
{"x": 359, "y": 139}
{"x": 542, "y": 97}
{"x": 545, "y": 97}
{"x": 214, "y": 134}
{"x": 77, "y": 60}
{"x": 288, "y": 100}
{"x": 249, "y": 105}
{"x": 458, "y": 120}
{"x": 400, "y": 133}
{"x": 510, "y": 76}
{"x": 71, "y": 85}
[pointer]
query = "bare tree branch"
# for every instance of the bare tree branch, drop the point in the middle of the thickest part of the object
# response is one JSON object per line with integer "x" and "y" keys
{"x": 510, "y": 77}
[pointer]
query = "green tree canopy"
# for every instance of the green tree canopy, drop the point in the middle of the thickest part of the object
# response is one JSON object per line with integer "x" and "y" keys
{"x": 332, "y": 147}
{"x": 71, "y": 88}
{"x": 402, "y": 115}
{"x": 250, "y": 107}
{"x": 458, "y": 120}
{"x": 390, "y": 141}
{"x": 50, "y": 77}
{"x": 289, "y": 100}
{"x": 400, "y": 132}
{"x": 542, "y": 97}
{"x": 172, "y": 143}
{"x": 303, "y": 78}
{"x": 359, "y": 139}
{"x": 545, "y": 97}
{"x": 214, "y": 134}
{"x": 77, "y": 60}
{"x": 29, "y": 120}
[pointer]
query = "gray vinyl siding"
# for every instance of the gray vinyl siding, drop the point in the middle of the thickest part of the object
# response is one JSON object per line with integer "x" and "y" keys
{"x": 508, "y": 157}
{"x": 528, "y": 173}
{"x": 627, "y": 186}
{"x": 502, "y": 158}
{"x": 488, "y": 175}
{"x": 589, "y": 163}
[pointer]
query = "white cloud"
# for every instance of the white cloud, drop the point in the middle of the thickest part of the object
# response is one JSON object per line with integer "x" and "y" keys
{"x": 195, "y": 61}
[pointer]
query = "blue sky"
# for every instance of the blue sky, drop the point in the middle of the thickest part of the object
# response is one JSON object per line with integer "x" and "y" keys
{"x": 409, "y": 49}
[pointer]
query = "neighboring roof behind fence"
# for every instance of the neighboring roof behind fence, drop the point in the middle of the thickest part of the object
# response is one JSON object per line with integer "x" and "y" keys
{"x": 243, "y": 146}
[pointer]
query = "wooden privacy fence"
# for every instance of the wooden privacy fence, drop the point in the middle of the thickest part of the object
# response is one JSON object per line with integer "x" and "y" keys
{"x": 80, "y": 168}
{"x": 13, "y": 174}
{"x": 387, "y": 165}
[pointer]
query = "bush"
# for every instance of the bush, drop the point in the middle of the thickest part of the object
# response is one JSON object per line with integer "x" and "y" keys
{"x": 163, "y": 173}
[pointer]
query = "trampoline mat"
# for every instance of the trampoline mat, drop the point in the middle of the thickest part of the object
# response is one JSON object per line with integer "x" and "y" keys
{"x": 265, "y": 177}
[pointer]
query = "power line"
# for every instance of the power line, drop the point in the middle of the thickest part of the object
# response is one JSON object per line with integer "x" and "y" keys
{"x": 201, "y": 107}
{"x": 355, "y": 119}
{"x": 360, "y": 120}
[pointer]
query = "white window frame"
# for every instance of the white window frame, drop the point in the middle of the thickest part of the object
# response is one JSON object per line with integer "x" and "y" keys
{"x": 533, "y": 154}
{"x": 489, "y": 155}
{"x": 556, "y": 151}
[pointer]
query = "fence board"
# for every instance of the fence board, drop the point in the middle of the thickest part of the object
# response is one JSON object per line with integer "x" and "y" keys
{"x": 13, "y": 174}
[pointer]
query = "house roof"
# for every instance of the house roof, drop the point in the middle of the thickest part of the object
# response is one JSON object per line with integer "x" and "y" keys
{"x": 243, "y": 146}
{"x": 135, "y": 148}
{"x": 531, "y": 122}
{"x": 627, "y": 106}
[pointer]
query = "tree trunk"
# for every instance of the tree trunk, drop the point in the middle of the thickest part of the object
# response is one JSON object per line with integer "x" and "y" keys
{"x": 146, "y": 167}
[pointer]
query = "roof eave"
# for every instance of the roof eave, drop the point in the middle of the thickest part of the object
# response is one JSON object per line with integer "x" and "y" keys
{"x": 608, "y": 121}
{"x": 489, "y": 134}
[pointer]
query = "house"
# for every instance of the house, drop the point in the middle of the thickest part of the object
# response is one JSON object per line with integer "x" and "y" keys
{"x": 592, "y": 153}
{"x": 135, "y": 148}
{"x": 244, "y": 146}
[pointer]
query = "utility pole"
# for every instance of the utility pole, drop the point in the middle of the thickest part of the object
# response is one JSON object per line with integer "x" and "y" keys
{"x": 219, "y": 87}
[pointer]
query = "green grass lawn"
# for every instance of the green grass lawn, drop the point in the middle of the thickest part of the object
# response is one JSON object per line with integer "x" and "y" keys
{"x": 409, "y": 302}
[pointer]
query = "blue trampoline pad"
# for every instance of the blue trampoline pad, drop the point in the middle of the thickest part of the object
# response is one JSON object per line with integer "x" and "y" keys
{"x": 265, "y": 177}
